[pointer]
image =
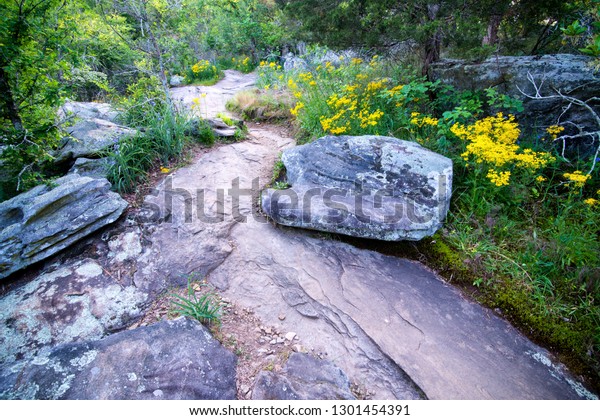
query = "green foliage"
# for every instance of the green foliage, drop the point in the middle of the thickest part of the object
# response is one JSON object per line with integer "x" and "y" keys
{"x": 225, "y": 119}
{"x": 162, "y": 141}
{"x": 205, "y": 308}
{"x": 584, "y": 33}
{"x": 203, "y": 72}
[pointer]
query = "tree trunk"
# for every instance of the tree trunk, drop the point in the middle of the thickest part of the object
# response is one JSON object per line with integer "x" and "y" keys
{"x": 433, "y": 43}
{"x": 491, "y": 37}
{"x": 9, "y": 109}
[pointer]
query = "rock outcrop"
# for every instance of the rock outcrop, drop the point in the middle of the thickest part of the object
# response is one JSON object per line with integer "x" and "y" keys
{"x": 368, "y": 186}
{"x": 88, "y": 111}
{"x": 90, "y": 137}
{"x": 170, "y": 360}
{"x": 303, "y": 378}
{"x": 75, "y": 302}
{"x": 45, "y": 220}
{"x": 176, "y": 81}
{"x": 572, "y": 75}
{"x": 93, "y": 168}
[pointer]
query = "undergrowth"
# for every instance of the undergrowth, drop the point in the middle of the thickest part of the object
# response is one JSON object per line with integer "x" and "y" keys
{"x": 162, "y": 138}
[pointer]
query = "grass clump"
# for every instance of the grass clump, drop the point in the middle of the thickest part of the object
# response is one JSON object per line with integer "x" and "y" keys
{"x": 162, "y": 138}
{"x": 204, "y": 307}
{"x": 261, "y": 106}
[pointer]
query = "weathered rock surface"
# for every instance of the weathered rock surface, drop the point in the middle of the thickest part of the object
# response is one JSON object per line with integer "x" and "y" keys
{"x": 221, "y": 129}
{"x": 570, "y": 74}
{"x": 303, "y": 378}
{"x": 368, "y": 186}
{"x": 45, "y": 220}
{"x": 90, "y": 137}
{"x": 169, "y": 360}
{"x": 93, "y": 168}
{"x": 88, "y": 111}
{"x": 74, "y": 302}
{"x": 399, "y": 330}
{"x": 292, "y": 62}
{"x": 176, "y": 80}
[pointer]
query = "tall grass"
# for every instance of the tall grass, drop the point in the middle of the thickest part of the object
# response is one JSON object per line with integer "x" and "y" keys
{"x": 161, "y": 141}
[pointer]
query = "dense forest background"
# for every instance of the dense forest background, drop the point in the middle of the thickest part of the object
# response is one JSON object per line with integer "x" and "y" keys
{"x": 523, "y": 230}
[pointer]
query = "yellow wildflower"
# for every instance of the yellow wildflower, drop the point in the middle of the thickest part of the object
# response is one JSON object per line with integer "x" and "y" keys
{"x": 498, "y": 178}
{"x": 540, "y": 179}
{"x": 555, "y": 130}
{"x": 591, "y": 202}
{"x": 292, "y": 85}
{"x": 164, "y": 170}
{"x": 294, "y": 111}
{"x": 493, "y": 141}
{"x": 577, "y": 178}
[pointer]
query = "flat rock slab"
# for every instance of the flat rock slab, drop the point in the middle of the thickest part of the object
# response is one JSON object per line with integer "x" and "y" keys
{"x": 303, "y": 378}
{"x": 366, "y": 186}
{"x": 171, "y": 360}
{"x": 89, "y": 138}
{"x": 45, "y": 220}
{"x": 75, "y": 302}
{"x": 389, "y": 323}
{"x": 93, "y": 168}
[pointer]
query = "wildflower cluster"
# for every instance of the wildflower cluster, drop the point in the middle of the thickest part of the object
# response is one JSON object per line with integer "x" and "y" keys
{"x": 577, "y": 179}
{"x": 203, "y": 70}
{"x": 555, "y": 130}
{"x": 492, "y": 143}
{"x": 244, "y": 64}
{"x": 423, "y": 120}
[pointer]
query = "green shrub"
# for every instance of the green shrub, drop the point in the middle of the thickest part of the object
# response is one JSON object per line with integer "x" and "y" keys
{"x": 203, "y": 72}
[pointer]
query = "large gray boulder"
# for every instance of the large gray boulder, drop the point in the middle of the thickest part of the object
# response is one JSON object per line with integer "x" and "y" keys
{"x": 573, "y": 75}
{"x": 93, "y": 168}
{"x": 45, "y": 220}
{"x": 88, "y": 111}
{"x": 303, "y": 378}
{"x": 368, "y": 186}
{"x": 90, "y": 137}
{"x": 170, "y": 360}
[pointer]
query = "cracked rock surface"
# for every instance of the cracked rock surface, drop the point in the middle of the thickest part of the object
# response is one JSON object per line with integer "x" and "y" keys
{"x": 171, "y": 360}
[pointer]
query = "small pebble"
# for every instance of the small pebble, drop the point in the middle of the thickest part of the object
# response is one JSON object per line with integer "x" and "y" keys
{"x": 281, "y": 317}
